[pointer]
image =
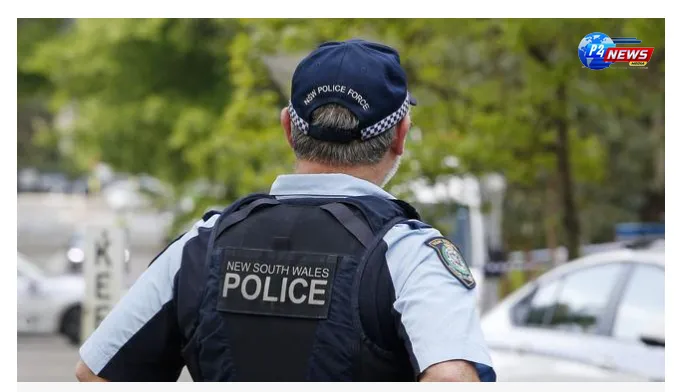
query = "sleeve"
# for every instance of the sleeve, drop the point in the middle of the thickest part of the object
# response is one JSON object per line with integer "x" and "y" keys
{"x": 140, "y": 340}
{"x": 435, "y": 300}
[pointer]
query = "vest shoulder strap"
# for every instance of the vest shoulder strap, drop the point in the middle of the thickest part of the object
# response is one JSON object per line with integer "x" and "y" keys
{"x": 358, "y": 227}
{"x": 235, "y": 213}
{"x": 408, "y": 209}
{"x": 241, "y": 214}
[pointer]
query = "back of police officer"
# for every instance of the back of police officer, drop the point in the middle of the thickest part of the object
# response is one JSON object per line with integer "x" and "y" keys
{"x": 325, "y": 278}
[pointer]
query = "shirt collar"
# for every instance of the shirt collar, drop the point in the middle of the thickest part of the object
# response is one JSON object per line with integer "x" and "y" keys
{"x": 325, "y": 185}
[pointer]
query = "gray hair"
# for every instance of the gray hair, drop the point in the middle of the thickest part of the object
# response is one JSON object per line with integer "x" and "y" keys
{"x": 355, "y": 153}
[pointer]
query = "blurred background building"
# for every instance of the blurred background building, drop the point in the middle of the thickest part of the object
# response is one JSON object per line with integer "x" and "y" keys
{"x": 521, "y": 155}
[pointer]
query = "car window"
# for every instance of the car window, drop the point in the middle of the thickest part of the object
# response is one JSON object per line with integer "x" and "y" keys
{"x": 642, "y": 303}
{"x": 540, "y": 307}
{"x": 583, "y": 298}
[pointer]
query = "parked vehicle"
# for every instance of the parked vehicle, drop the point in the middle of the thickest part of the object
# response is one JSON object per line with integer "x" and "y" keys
{"x": 48, "y": 304}
{"x": 597, "y": 318}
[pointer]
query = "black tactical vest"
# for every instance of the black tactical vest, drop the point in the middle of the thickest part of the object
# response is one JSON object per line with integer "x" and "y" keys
{"x": 296, "y": 289}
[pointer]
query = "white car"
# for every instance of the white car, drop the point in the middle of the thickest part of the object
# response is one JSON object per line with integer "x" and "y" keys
{"x": 48, "y": 304}
{"x": 597, "y": 318}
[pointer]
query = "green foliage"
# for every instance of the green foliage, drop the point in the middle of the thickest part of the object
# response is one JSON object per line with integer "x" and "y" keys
{"x": 144, "y": 90}
{"x": 186, "y": 99}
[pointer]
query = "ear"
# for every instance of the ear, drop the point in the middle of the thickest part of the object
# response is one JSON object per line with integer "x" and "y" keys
{"x": 398, "y": 146}
{"x": 286, "y": 122}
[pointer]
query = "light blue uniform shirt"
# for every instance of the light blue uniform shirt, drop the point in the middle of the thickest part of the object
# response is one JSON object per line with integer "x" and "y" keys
{"x": 439, "y": 314}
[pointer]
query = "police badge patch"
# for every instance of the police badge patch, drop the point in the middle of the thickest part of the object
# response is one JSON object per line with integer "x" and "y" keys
{"x": 452, "y": 259}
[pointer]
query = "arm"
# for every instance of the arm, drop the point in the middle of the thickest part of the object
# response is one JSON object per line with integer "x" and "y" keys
{"x": 450, "y": 371}
{"x": 436, "y": 304}
{"x": 84, "y": 374}
{"x": 140, "y": 339}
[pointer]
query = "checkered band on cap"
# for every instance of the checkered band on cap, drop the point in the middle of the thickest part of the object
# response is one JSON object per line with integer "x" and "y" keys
{"x": 386, "y": 123}
{"x": 366, "y": 133}
{"x": 298, "y": 121}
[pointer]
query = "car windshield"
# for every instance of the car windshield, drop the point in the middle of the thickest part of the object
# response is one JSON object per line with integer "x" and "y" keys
{"x": 27, "y": 268}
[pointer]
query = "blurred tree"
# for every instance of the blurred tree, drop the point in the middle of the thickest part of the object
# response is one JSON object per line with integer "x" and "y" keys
{"x": 33, "y": 89}
{"x": 141, "y": 89}
{"x": 567, "y": 111}
{"x": 31, "y": 34}
{"x": 506, "y": 96}
{"x": 186, "y": 99}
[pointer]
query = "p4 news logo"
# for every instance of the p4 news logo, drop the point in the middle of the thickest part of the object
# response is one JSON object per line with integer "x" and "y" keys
{"x": 597, "y": 51}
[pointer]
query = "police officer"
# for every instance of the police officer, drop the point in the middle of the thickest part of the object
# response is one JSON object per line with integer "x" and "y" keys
{"x": 325, "y": 278}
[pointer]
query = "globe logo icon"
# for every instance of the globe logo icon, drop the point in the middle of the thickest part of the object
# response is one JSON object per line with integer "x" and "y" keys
{"x": 592, "y": 50}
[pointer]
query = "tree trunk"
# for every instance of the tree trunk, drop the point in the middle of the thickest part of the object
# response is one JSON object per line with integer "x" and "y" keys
{"x": 527, "y": 272}
{"x": 550, "y": 212}
{"x": 570, "y": 214}
{"x": 653, "y": 207}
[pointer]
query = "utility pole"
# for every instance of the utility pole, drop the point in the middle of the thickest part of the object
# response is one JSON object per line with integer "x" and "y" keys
{"x": 492, "y": 188}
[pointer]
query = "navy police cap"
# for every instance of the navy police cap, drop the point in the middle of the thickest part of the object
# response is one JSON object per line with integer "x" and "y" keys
{"x": 362, "y": 76}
